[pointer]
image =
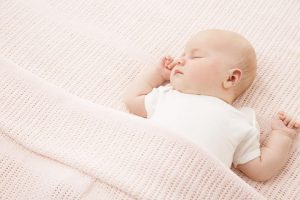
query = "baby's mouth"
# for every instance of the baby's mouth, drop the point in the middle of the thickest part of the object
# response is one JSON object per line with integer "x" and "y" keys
{"x": 178, "y": 71}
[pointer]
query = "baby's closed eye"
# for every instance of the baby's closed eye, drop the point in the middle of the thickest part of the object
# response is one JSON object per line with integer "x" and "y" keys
{"x": 195, "y": 57}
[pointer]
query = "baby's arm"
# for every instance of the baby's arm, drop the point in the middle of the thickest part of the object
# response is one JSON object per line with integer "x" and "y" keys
{"x": 143, "y": 84}
{"x": 276, "y": 152}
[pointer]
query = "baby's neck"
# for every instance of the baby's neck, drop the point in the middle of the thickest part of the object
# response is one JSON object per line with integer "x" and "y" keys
{"x": 229, "y": 99}
{"x": 226, "y": 96}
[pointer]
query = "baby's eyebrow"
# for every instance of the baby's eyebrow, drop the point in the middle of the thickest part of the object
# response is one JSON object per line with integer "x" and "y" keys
{"x": 192, "y": 52}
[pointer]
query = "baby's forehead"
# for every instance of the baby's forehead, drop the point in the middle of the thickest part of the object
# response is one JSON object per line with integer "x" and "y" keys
{"x": 220, "y": 41}
{"x": 220, "y": 35}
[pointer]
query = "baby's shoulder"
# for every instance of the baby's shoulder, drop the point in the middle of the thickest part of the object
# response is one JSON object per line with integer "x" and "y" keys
{"x": 249, "y": 115}
{"x": 163, "y": 88}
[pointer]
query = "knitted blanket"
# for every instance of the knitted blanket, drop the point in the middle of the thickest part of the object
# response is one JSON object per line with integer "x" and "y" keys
{"x": 64, "y": 131}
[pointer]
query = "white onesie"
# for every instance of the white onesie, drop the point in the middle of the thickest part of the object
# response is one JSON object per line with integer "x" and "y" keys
{"x": 230, "y": 134}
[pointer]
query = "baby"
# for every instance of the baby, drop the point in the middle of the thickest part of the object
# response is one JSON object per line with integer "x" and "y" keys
{"x": 193, "y": 96}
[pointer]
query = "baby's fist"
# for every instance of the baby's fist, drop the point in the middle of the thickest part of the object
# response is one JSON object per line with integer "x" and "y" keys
{"x": 164, "y": 67}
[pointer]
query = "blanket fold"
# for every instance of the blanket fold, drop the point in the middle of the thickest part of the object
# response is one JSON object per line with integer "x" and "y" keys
{"x": 125, "y": 152}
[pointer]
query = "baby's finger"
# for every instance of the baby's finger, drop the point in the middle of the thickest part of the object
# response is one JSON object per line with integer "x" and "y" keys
{"x": 291, "y": 124}
{"x": 297, "y": 125}
{"x": 281, "y": 115}
{"x": 287, "y": 120}
{"x": 172, "y": 65}
{"x": 167, "y": 60}
{"x": 163, "y": 60}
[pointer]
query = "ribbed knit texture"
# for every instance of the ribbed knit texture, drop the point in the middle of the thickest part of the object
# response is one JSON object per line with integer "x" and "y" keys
{"x": 121, "y": 151}
{"x": 57, "y": 146}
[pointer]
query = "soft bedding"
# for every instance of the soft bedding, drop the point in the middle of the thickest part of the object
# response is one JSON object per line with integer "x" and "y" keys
{"x": 65, "y": 133}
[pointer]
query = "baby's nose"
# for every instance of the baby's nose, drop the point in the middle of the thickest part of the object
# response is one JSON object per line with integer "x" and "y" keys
{"x": 180, "y": 61}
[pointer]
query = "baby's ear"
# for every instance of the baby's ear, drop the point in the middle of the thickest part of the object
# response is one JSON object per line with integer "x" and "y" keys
{"x": 233, "y": 78}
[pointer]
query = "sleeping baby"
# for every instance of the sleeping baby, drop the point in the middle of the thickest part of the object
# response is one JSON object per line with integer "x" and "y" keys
{"x": 193, "y": 96}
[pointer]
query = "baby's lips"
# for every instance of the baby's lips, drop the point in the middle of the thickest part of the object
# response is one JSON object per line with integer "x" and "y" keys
{"x": 178, "y": 71}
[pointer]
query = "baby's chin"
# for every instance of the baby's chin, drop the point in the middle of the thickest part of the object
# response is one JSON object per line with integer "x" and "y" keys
{"x": 172, "y": 83}
{"x": 183, "y": 88}
{"x": 176, "y": 86}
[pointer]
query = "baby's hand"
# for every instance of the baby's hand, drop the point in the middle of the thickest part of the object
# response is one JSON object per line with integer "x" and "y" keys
{"x": 165, "y": 68}
{"x": 286, "y": 124}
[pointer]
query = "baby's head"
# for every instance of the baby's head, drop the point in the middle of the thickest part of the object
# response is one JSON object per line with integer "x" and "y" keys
{"x": 215, "y": 63}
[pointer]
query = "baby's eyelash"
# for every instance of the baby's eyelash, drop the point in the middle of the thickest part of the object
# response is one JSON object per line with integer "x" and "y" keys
{"x": 182, "y": 55}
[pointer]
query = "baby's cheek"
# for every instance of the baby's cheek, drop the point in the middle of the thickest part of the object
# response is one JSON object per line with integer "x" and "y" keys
{"x": 200, "y": 76}
{"x": 196, "y": 80}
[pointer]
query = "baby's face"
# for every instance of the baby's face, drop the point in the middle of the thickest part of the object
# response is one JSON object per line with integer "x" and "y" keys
{"x": 204, "y": 64}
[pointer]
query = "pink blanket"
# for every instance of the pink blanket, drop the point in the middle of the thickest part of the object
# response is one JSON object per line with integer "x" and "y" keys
{"x": 65, "y": 133}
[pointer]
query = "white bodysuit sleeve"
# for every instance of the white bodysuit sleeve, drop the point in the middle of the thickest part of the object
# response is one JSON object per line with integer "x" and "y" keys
{"x": 249, "y": 148}
{"x": 154, "y": 98}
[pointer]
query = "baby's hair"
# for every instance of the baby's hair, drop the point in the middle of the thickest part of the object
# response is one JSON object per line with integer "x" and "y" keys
{"x": 248, "y": 65}
{"x": 245, "y": 58}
